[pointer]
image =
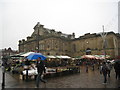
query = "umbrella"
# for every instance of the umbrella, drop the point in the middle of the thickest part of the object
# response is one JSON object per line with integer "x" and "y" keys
{"x": 33, "y": 56}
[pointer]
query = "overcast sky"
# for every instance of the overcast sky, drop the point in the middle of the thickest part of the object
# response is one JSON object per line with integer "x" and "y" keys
{"x": 18, "y": 17}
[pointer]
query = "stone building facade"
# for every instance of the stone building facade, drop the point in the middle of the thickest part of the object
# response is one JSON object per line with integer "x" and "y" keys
{"x": 51, "y": 42}
{"x": 93, "y": 44}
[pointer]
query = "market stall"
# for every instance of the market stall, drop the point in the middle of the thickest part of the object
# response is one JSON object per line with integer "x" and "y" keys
{"x": 55, "y": 66}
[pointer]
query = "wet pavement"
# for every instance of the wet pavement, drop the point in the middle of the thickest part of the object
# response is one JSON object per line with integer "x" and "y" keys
{"x": 92, "y": 79}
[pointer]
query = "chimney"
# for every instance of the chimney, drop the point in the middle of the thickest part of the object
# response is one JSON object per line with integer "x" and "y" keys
{"x": 23, "y": 40}
{"x": 20, "y": 41}
{"x": 37, "y": 26}
{"x": 73, "y": 34}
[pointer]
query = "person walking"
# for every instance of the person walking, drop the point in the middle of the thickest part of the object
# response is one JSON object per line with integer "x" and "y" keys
{"x": 104, "y": 70}
{"x": 109, "y": 65}
{"x": 93, "y": 65}
{"x": 40, "y": 69}
{"x": 117, "y": 69}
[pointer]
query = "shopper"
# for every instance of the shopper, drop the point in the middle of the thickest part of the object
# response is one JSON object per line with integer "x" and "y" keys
{"x": 40, "y": 69}
{"x": 104, "y": 70}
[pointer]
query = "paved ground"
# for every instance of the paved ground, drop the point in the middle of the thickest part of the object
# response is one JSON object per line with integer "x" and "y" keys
{"x": 92, "y": 79}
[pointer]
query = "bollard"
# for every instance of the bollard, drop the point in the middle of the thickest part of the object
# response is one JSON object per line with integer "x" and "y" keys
{"x": 27, "y": 63}
{"x": 27, "y": 75}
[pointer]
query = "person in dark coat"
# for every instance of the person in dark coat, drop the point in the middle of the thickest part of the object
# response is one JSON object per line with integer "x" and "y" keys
{"x": 109, "y": 65}
{"x": 40, "y": 69}
{"x": 117, "y": 69}
{"x": 104, "y": 72}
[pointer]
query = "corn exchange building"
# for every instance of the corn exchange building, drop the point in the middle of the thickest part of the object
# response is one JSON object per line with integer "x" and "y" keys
{"x": 51, "y": 42}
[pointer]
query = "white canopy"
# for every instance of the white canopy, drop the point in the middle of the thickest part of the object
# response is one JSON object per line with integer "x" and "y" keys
{"x": 50, "y": 56}
{"x": 26, "y": 54}
{"x": 64, "y": 57}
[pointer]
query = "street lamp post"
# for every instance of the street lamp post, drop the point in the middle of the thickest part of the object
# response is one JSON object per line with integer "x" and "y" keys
{"x": 38, "y": 39}
{"x": 103, "y": 35}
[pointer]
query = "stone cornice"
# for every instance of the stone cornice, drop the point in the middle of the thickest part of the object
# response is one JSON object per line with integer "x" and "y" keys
{"x": 88, "y": 35}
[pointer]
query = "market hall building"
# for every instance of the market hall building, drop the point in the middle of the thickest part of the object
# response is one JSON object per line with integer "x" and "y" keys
{"x": 51, "y": 42}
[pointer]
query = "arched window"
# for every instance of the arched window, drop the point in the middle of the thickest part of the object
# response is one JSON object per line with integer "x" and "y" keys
{"x": 48, "y": 53}
{"x": 88, "y": 51}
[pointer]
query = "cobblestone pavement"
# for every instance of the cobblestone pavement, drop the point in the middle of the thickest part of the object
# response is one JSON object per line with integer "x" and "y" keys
{"x": 92, "y": 79}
